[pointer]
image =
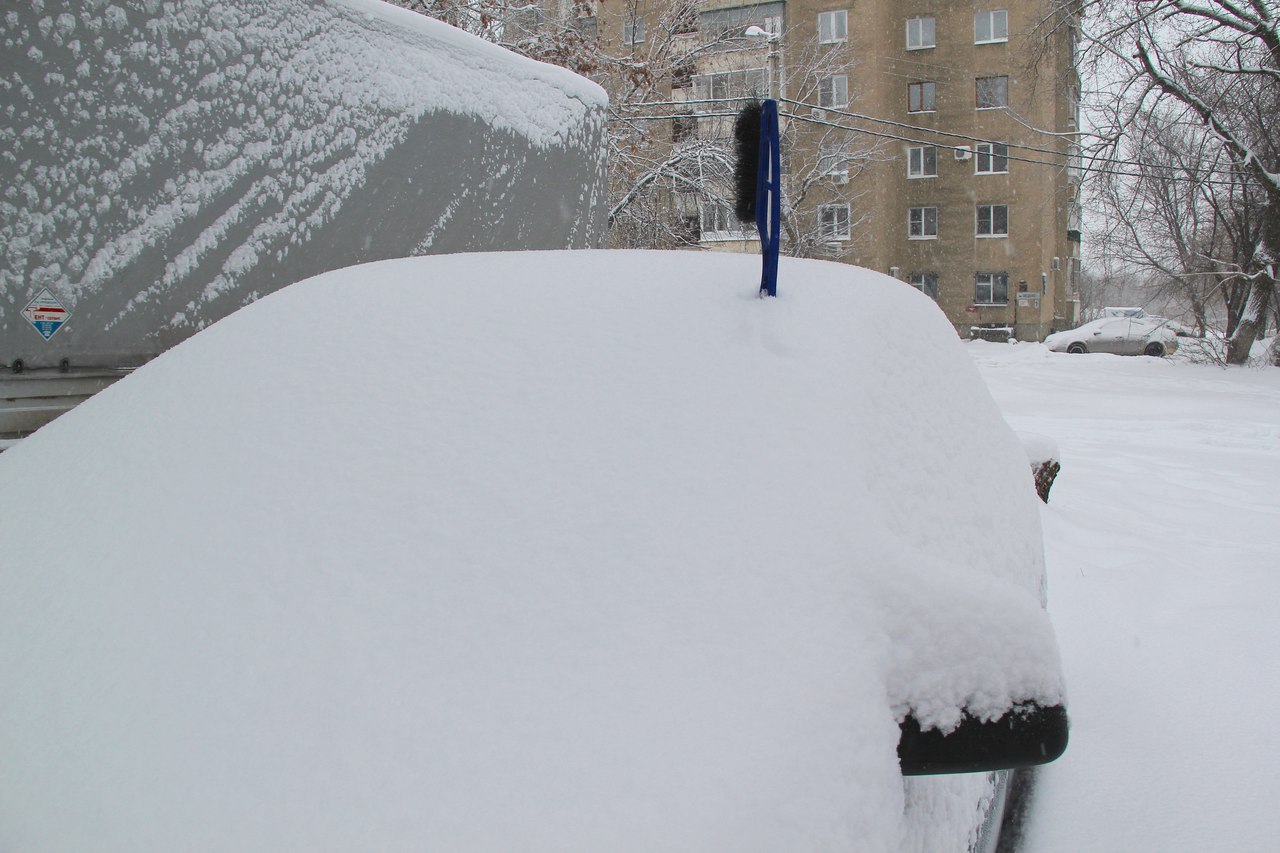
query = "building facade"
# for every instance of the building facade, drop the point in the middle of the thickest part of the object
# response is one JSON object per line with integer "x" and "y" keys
{"x": 932, "y": 140}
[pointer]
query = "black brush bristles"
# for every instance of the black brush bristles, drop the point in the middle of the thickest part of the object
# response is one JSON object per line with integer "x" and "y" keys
{"x": 746, "y": 135}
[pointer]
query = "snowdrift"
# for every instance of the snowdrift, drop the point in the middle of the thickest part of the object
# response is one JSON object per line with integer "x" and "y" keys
{"x": 573, "y": 551}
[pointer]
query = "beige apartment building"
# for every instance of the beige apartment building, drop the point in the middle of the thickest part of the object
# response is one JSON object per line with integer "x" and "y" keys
{"x": 932, "y": 140}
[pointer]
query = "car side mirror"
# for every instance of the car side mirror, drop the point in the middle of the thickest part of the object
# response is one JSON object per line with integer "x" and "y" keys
{"x": 1028, "y": 735}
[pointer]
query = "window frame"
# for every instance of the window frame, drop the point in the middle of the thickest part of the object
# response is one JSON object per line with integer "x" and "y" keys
{"x": 920, "y": 32}
{"x": 992, "y": 221}
{"x": 630, "y": 26}
{"x": 991, "y": 157}
{"x": 991, "y": 19}
{"x": 684, "y": 129}
{"x": 831, "y": 79}
{"x": 993, "y": 279}
{"x": 933, "y": 95}
{"x": 720, "y": 214}
{"x": 928, "y": 284}
{"x": 834, "y": 234}
{"x": 587, "y": 26}
{"x": 912, "y": 151}
{"x": 977, "y": 95}
{"x": 923, "y": 224}
{"x": 841, "y": 15}
{"x": 717, "y": 85}
{"x": 833, "y": 159}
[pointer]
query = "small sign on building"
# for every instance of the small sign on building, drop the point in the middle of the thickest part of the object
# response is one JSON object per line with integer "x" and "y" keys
{"x": 46, "y": 314}
{"x": 1028, "y": 300}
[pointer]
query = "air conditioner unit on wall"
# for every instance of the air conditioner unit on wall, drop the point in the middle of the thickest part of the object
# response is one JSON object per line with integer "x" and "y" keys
{"x": 963, "y": 152}
{"x": 893, "y": 271}
{"x": 1055, "y": 264}
{"x": 840, "y": 178}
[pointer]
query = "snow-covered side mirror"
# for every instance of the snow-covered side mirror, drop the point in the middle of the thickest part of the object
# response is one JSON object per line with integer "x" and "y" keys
{"x": 1026, "y": 736}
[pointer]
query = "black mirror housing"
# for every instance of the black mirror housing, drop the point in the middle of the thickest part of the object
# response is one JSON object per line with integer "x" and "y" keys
{"x": 1026, "y": 736}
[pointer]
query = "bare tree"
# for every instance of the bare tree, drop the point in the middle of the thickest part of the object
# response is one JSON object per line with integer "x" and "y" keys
{"x": 674, "y": 83}
{"x": 1185, "y": 120}
{"x": 1178, "y": 217}
{"x": 689, "y": 173}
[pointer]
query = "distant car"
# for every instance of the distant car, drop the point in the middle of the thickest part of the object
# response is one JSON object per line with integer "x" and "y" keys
{"x": 1151, "y": 336}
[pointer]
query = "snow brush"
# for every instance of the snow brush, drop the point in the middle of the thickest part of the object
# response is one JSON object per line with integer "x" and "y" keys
{"x": 757, "y": 184}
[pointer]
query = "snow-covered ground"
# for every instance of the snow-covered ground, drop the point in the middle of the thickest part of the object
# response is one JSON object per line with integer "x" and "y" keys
{"x": 1163, "y": 543}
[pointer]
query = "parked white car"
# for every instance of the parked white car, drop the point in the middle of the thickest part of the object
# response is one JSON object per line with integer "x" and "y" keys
{"x": 1153, "y": 336}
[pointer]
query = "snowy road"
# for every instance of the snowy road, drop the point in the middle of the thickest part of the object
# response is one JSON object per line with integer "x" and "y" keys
{"x": 1163, "y": 544}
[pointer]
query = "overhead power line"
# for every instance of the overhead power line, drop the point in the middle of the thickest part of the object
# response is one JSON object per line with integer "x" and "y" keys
{"x": 1109, "y": 167}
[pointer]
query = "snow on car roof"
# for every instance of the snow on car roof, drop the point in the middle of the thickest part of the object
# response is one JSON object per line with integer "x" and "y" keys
{"x": 588, "y": 550}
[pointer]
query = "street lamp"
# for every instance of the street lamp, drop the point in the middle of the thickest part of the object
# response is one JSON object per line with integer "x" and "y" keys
{"x": 775, "y": 63}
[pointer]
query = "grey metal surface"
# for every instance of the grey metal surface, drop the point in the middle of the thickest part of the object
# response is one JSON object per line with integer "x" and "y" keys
{"x": 162, "y": 165}
{"x": 30, "y": 400}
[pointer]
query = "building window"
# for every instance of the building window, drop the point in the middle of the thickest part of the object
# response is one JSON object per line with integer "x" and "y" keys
{"x": 1075, "y": 216}
{"x": 720, "y": 223}
{"x": 922, "y": 223}
{"x": 992, "y": 158}
{"x": 922, "y": 162}
{"x": 989, "y": 27}
{"x": 926, "y": 283}
{"x": 722, "y": 29}
{"x": 833, "y": 91}
{"x": 993, "y": 92}
{"x": 920, "y": 33}
{"x": 833, "y": 221}
{"x": 586, "y": 27}
{"x": 993, "y": 220}
{"x": 682, "y": 74}
{"x": 833, "y": 159}
{"x": 833, "y": 27}
{"x": 748, "y": 83}
{"x": 732, "y": 84}
{"x": 684, "y": 128}
{"x": 633, "y": 31}
{"x": 991, "y": 288}
{"x": 686, "y": 21}
{"x": 920, "y": 97}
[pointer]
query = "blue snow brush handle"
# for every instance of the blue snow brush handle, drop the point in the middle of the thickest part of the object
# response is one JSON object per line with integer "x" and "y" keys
{"x": 769, "y": 197}
{"x": 757, "y": 182}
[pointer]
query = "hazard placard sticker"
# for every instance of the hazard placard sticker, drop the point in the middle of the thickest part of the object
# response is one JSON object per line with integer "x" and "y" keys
{"x": 46, "y": 314}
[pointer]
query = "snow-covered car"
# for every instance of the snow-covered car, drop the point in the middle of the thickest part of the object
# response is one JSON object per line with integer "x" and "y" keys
{"x": 1152, "y": 336}
{"x": 539, "y": 551}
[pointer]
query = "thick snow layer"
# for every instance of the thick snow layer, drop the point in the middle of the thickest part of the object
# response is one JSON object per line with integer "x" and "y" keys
{"x": 223, "y": 132}
{"x": 1163, "y": 541}
{"x": 571, "y": 551}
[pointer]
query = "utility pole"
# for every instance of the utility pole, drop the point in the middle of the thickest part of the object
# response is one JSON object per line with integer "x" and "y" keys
{"x": 772, "y": 40}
